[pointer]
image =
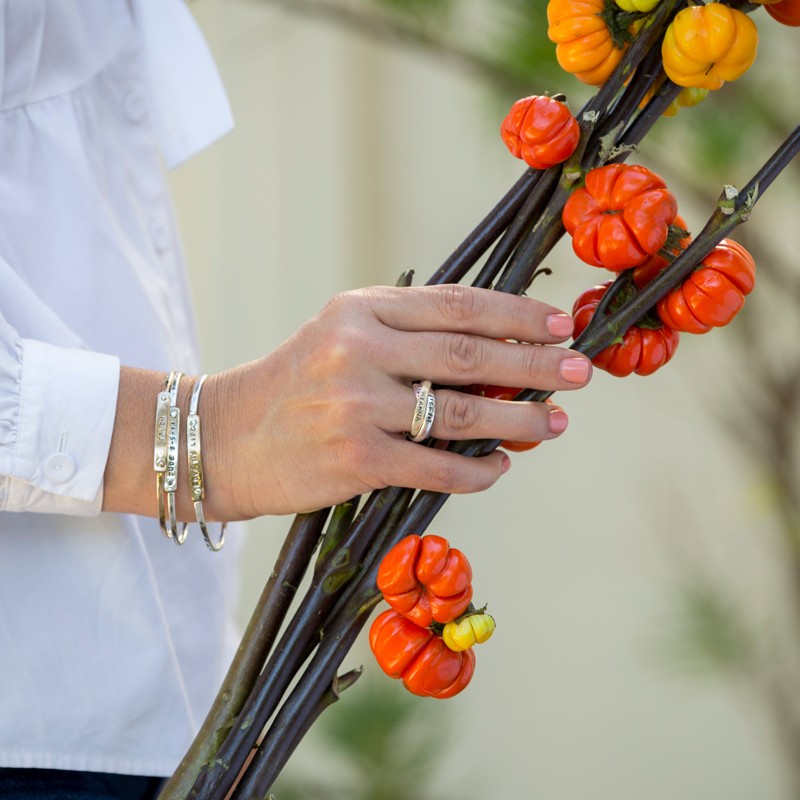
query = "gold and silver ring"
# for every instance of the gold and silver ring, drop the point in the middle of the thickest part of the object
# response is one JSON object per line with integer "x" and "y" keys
{"x": 424, "y": 412}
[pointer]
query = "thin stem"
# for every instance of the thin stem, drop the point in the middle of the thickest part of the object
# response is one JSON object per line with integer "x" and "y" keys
{"x": 309, "y": 693}
{"x": 362, "y": 594}
{"x": 296, "y": 644}
{"x": 531, "y": 208}
{"x": 640, "y": 66}
{"x": 466, "y": 255}
{"x": 288, "y": 743}
{"x": 379, "y": 543}
{"x": 341, "y": 519}
{"x": 258, "y": 639}
{"x": 644, "y": 120}
{"x": 548, "y": 230}
{"x": 340, "y": 632}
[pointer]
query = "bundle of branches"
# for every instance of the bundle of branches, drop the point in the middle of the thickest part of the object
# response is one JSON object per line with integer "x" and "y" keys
{"x": 278, "y": 685}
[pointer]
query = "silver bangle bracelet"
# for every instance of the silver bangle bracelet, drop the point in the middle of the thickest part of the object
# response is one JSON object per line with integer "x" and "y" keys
{"x": 195, "y": 465}
{"x": 165, "y": 456}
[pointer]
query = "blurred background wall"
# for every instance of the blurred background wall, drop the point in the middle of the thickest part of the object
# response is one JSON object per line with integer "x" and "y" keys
{"x": 354, "y": 160}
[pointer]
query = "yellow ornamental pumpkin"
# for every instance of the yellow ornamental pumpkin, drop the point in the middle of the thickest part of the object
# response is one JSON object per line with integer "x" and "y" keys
{"x": 705, "y": 46}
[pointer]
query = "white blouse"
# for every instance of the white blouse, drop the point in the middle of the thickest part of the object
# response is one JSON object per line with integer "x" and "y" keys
{"x": 113, "y": 640}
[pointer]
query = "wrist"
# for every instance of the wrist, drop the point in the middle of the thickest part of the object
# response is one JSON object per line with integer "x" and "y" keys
{"x": 223, "y": 463}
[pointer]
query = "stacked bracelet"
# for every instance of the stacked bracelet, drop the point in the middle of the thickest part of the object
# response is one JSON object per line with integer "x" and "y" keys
{"x": 195, "y": 464}
{"x": 166, "y": 445}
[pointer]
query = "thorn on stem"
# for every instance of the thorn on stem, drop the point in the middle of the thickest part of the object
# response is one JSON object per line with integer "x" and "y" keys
{"x": 342, "y": 682}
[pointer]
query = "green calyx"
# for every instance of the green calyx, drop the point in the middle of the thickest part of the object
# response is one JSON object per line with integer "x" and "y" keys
{"x": 650, "y": 321}
{"x": 619, "y": 22}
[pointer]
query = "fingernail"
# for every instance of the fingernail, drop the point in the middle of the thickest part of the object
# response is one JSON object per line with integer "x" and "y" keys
{"x": 506, "y": 465}
{"x": 574, "y": 370}
{"x": 558, "y": 420}
{"x": 559, "y": 325}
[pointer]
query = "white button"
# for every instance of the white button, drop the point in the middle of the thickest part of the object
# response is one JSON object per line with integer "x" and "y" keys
{"x": 59, "y": 467}
{"x": 159, "y": 234}
{"x": 134, "y": 106}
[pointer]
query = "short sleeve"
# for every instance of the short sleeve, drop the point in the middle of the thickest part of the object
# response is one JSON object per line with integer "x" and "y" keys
{"x": 57, "y": 408}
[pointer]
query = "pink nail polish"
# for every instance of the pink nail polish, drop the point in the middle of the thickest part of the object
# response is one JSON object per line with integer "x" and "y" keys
{"x": 506, "y": 466}
{"x": 559, "y": 325}
{"x": 574, "y": 370}
{"x": 558, "y": 420}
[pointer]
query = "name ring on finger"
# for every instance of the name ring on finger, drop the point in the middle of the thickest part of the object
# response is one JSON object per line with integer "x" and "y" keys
{"x": 424, "y": 412}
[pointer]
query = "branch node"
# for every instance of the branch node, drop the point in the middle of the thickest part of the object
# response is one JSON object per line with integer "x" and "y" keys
{"x": 727, "y": 202}
{"x": 620, "y": 149}
{"x": 749, "y": 201}
{"x": 608, "y": 143}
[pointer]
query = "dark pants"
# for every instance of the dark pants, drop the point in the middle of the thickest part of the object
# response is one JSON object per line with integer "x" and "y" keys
{"x": 57, "y": 784}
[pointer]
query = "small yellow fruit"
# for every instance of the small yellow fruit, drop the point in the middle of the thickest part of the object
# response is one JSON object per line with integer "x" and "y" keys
{"x": 638, "y": 5}
{"x": 464, "y": 633}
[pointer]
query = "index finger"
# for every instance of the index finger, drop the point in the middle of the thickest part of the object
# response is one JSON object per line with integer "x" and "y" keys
{"x": 465, "y": 309}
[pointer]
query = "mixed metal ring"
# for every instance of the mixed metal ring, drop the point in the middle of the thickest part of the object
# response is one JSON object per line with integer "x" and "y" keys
{"x": 424, "y": 412}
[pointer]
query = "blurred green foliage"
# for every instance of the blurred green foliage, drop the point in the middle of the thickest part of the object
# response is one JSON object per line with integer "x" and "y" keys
{"x": 707, "y": 633}
{"x": 385, "y": 744}
{"x": 421, "y": 10}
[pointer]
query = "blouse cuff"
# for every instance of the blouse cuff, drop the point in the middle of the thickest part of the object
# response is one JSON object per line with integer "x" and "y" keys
{"x": 54, "y": 458}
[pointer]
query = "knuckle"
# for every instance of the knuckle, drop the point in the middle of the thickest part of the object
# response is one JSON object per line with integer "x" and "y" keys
{"x": 340, "y": 346}
{"x": 338, "y": 304}
{"x": 459, "y": 303}
{"x": 345, "y": 306}
{"x": 533, "y": 362}
{"x": 462, "y": 354}
{"x": 461, "y": 413}
{"x": 444, "y": 476}
{"x": 355, "y": 454}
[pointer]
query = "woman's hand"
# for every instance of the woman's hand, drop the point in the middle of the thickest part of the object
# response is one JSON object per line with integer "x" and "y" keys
{"x": 323, "y": 417}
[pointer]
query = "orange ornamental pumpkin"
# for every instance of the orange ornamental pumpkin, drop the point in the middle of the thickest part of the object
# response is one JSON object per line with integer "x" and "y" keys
{"x": 541, "y": 131}
{"x": 620, "y": 217}
{"x": 787, "y": 12}
{"x": 584, "y": 43}
{"x": 642, "y": 349}
{"x": 425, "y": 579}
{"x": 418, "y": 657}
{"x": 714, "y": 293}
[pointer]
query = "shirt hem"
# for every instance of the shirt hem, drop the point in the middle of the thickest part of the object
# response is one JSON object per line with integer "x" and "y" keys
{"x": 116, "y": 765}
